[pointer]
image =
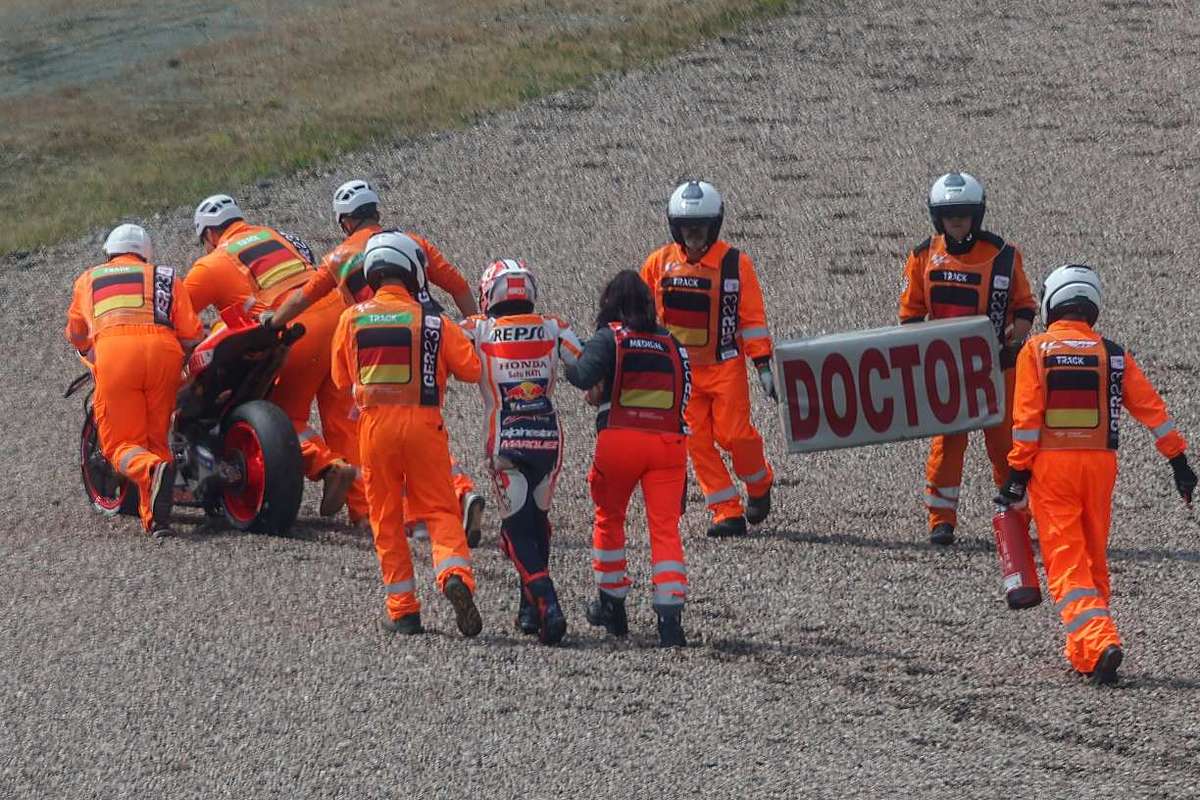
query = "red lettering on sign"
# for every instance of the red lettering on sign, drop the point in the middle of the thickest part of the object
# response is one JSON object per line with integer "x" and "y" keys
{"x": 945, "y": 410}
{"x": 880, "y": 419}
{"x": 977, "y": 374}
{"x": 795, "y": 374}
{"x": 905, "y": 359}
{"x": 837, "y": 365}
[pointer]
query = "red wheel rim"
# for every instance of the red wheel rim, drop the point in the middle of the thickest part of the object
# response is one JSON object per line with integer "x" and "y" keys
{"x": 89, "y": 451}
{"x": 244, "y": 500}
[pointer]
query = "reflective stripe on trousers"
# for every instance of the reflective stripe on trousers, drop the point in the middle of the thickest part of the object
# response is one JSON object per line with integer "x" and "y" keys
{"x": 1026, "y": 434}
{"x": 130, "y": 454}
{"x": 721, "y": 496}
{"x": 402, "y": 587}
{"x": 941, "y": 496}
{"x": 754, "y": 478}
{"x": 451, "y": 563}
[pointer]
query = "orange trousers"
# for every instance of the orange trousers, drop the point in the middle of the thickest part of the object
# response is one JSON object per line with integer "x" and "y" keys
{"x": 407, "y": 448}
{"x": 137, "y": 376}
{"x": 304, "y": 377}
{"x": 944, "y": 469}
{"x": 719, "y": 416}
{"x": 658, "y": 461}
{"x": 1070, "y": 495}
{"x": 463, "y": 485}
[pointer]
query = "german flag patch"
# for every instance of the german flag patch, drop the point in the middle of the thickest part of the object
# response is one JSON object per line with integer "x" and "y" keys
{"x": 117, "y": 287}
{"x": 1072, "y": 398}
{"x": 686, "y": 315}
{"x": 385, "y": 352}
{"x": 647, "y": 381}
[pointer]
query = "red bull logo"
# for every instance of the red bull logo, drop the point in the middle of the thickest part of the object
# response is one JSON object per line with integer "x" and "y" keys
{"x": 525, "y": 391}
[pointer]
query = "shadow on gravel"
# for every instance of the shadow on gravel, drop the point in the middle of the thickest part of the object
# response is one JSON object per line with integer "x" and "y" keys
{"x": 854, "y": 540}
{"x": 1157, "y": 682}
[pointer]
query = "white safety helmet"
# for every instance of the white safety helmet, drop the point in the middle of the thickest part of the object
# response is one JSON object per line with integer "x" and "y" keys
{"x": 129, "y": 239}
{"x": 1071, "y": 287}
{"x": 392, "y": 254}
{"x": 213, "y": 211}
{"x": 957, "y": 194}
{"x": 695, "y": 202}
{"x": 352, "y": 196}
{"x": 506, "y": 280}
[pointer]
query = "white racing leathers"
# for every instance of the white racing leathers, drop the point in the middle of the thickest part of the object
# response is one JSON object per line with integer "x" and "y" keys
{"x": 523, "y": 439}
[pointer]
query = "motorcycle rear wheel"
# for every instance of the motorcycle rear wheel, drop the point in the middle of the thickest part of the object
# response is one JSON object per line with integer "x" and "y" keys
{"x": 259, "y": 438}
{"x": 108, "y": 492}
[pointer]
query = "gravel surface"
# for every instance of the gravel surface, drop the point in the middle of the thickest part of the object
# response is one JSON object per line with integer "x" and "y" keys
{"x": 834, "y": 653}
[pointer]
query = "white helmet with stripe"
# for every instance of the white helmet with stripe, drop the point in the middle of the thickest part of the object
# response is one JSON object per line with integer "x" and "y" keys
{"x": 695, "y": 202}
{"x": 1071, "y": 287}
{"x": 213, "y": 211}
{"x": 506, "y": 280}
{"x": 392, "y": 254}
{"x": 129, "y": 238}
{"x": 351, "y": 197}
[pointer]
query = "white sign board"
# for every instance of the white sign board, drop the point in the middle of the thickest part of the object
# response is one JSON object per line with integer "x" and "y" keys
{"x": 889, "y": 384}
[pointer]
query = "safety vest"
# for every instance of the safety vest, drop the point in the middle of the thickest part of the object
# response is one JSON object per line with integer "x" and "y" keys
{"x": 958, "y": 289}
{"x": 273, "y": 264}
{"x": 1082, "y": 381}
{"x": 131, "y": 294}
{"x": 650, "y": 385}
{"x": 704, "y": 317}
{"x": 396, "y": 356}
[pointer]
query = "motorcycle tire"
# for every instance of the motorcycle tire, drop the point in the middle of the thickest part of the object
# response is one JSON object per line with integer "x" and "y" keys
{"x": 259, "y": 438}
{"x": 108, "y": 492}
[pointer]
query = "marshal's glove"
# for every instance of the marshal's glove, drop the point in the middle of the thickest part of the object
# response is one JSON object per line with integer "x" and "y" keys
{"x": 1185, "y": 477}
{"x": 766, "y": 378}
{"x": 1012, "y": 493}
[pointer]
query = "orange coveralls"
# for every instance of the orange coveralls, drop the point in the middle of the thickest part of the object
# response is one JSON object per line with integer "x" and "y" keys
{"x": 714, "y": 308}
{"x": 256, "y": 267}
{"x": 341, "y": 269}
{"x": 382, "y": 349}
{"x": 940, "y": 285}
{"x": 138, "y": 358}
{"x": 1069, "y": 393}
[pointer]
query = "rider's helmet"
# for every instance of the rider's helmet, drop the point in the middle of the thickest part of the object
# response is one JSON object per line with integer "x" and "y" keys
{"x": 131, "y": 239}
{"x": 1071, "y": 287}
{"x": 507, "y": 282}
{"x": 214, "y": 211}
{"x": 695, "y": 202}
{"x": 392, "y": 254}
{"x": 957, "y": 194}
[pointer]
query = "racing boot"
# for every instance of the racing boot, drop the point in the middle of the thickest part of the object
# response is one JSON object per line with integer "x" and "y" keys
{"x": 757, "y": 508}
{"x": 608, "y": 612}
{"x": 1105, "y": 673}
{"x": 527, "y": 617}
{"x": 472, "y": 514}
{"x": 942, "y": 533}
{"x": 670, "y": 626}
{"x": 162, "y": 496}
{"x": 408, "y": 625}
{"x": 551, "y": 623}
{"x": 338, "y": 478}
{"x": 466, "y": 615}
{"x": 734, "y": 526}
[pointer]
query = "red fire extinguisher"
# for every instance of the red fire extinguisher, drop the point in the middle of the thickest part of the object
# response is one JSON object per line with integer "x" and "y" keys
{"x": 1013, "y": 546}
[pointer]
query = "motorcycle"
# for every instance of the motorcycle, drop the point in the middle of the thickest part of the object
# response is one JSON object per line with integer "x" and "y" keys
{"x": 236, "y": 454}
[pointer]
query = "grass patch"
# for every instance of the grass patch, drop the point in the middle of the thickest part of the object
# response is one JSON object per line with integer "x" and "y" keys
{"x": 316, "y": 78}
